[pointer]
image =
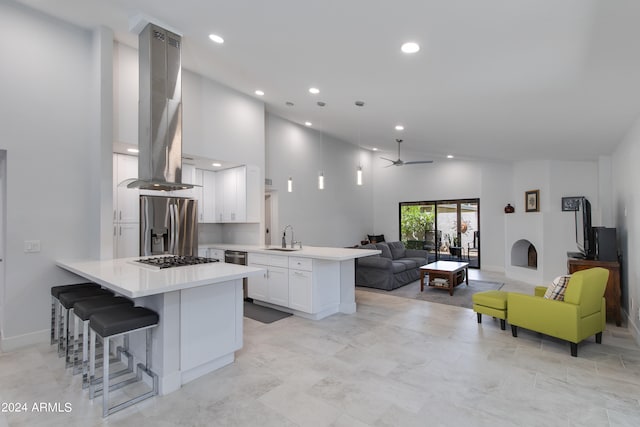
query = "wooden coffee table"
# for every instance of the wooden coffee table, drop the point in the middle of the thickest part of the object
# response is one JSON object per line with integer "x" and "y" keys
{"x": 439, "y": 271}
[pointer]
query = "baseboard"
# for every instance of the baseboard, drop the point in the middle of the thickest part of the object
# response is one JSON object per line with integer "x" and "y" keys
{"x": 493, "y": 268}
{"x": 633, "y": 328}
{"x": 8, "y": 344}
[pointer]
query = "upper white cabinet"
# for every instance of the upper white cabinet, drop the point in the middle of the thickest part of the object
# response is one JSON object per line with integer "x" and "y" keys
{"x": 206, "y": 195}
{"x": 188, "y": 177}
{"x": 238, "y": 194}
{"x": 126, "y": 207}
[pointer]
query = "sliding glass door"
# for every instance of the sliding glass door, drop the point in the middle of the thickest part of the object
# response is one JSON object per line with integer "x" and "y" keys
{"x": 448, "y": 229}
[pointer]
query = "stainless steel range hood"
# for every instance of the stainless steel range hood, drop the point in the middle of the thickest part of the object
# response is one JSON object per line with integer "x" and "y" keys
{"x": 159, "y": 112}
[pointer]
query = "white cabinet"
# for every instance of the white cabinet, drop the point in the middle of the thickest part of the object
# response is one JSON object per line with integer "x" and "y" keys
{"x": 126, "y": 201}
{"x": 273, "y": 285}
{"x": 310, "y": 287}
{"x": 301, "y": 290}
{"x": 238, "y": 194}
{"x": 216, "y": 253}
{"x": 206, "y": 195}
{"x": 188, "y": 177}
{"x": 126, "y": 239}
{"x": 126, "y": 208}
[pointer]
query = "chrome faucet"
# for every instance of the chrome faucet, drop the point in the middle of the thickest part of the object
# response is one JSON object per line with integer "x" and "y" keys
{"x": 284, "y": 234}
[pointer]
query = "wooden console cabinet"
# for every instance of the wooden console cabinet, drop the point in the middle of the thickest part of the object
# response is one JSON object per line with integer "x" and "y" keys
{"x": 612, "y": 293}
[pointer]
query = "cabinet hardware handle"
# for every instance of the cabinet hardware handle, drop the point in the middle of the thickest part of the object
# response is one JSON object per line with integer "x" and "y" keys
{"x": 114, "y": 231}
{"x": 121, "y": 231}
{"x": 121, "y": 215}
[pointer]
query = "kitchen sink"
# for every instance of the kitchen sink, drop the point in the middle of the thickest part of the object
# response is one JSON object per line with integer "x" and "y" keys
{"x": 283, "y": 249}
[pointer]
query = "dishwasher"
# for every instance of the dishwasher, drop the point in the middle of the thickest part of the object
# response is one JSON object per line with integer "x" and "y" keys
{"x": 237, "y": 257}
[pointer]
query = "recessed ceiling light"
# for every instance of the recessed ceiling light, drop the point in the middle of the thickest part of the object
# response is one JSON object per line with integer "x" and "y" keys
{"x": 314, "y": 90}
{"x": 216, "y": 164}
{"x": 410, "y": 47}
{"x": 259, "y": 92}
{"x": 133, "y": 150}
{"x": 308, "y": 123}
{"x": 399, "y": 127}
{"x": 216, "y": 38}
{"x": 374, "y": 149}
{"x": 449, "y": 156}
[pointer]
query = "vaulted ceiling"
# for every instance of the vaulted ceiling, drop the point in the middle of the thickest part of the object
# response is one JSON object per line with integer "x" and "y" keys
{"x": 494, "y": 79}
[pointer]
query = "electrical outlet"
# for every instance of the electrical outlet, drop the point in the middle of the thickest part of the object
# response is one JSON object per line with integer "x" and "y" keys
{"x": 31, "y": 246}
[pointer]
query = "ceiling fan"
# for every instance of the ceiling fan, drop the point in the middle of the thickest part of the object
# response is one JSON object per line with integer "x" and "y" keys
{"x": 400, "y": 162}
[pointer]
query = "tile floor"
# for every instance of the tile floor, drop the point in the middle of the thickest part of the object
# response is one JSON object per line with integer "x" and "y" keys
{"x": 396, "y": 362}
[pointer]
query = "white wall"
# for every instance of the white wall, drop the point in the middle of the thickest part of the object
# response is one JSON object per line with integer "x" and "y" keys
{"x": 46, "y": 110}
{"x": 339, "y": 215}
{"x": 445, "y": 180}
{"x": 626, "y": 203}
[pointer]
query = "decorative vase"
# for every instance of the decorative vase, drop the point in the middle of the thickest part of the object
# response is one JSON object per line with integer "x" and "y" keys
{"x": 509, "y": 208}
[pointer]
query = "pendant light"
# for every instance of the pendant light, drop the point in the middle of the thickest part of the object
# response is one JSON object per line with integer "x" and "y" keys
{"x": 321, "y": 173}
{"x": 290, "y": 185}
{"x": 359, "y": 168}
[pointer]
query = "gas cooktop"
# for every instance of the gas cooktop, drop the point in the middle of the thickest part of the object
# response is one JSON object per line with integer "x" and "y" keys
{"x": 170, "y": 261}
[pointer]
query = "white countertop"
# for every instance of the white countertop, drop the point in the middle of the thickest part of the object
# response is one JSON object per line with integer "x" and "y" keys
{"x": 316, "y": 252}
{"x": 126, "y": 278}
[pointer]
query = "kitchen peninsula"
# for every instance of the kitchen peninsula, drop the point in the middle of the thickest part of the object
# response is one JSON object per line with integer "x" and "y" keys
{"x": 200, "y": 308}
{"x": 311, "y": 282}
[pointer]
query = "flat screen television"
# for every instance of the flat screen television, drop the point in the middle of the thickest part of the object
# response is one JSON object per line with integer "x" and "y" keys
{"x": 584, "y": 232}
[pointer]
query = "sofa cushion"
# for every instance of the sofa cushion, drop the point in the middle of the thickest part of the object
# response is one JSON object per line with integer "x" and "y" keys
{"x": 379, "y": 238}
{"x": 397, "y": 250}
{"x": 418, "y": 260}
{"x": 408, "y": 262}
{"x": 369, "y": 246}
{"x": 398, "y": 267}
{"x": 557, "y": 288}
{"x": 386, "y": 252}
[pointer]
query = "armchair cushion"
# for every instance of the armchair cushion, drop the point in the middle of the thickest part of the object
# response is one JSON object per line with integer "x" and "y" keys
{"x": 557, "y": 288}
{"x": 580, "y": 315}
{"x": 377, "y": 238}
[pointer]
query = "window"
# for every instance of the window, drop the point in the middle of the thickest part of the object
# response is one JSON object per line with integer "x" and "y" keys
{"x": 448, "y": 229}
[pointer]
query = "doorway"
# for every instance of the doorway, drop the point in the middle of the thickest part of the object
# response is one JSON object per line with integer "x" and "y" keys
{"x": 270, "y": 216}
{"x": 448, "y": 229}
{"x": 3, "y": 204}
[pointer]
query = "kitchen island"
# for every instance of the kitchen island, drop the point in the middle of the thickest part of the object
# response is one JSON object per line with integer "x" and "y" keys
{"x": 311, "y": 282}
{"x": 200, "y": 309}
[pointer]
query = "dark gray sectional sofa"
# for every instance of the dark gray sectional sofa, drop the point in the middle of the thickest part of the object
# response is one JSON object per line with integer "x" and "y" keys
{"x": 394, "y": 267}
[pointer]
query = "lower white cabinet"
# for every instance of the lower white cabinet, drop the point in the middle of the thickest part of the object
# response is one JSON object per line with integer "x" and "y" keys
{"x": 308, "y": 286}
{"x": 126, "y": 240}
{"x": 273, "y": 285}
{"x": 301, "y": 290}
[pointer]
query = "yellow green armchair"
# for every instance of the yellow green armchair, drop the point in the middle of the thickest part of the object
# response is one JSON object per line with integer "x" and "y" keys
{"x": 580, "y": 315}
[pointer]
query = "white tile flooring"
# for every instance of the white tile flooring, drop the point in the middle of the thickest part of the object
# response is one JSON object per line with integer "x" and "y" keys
{"x": 396, "y": 362}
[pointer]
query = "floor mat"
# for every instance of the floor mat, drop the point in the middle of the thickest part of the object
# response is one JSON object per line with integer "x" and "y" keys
{"x": 461, "y": 295}
{"x": 263, "y": 314}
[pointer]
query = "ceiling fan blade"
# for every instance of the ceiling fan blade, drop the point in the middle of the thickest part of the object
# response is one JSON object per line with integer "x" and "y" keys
{"x": 389, "y": 160}
{"x": 418, "y": 162}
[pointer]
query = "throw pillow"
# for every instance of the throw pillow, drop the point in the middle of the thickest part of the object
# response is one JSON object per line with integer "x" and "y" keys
{"x": 397, "y": 250}
{"x": 557, "y": 288}
{"x": 376, "y": 238}
{"x": 386, "y": 252}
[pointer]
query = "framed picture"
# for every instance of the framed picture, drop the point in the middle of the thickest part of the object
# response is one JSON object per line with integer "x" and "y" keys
{"x": 570, "y": 203}
{"x": 532, "y": 201}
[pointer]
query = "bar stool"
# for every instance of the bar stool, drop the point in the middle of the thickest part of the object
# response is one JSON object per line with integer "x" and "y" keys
{"x": 112, "y": 323}
{"x": 83, "y": 309}
{"x": 55, "y": 305}
{"x": 67, "y": 300}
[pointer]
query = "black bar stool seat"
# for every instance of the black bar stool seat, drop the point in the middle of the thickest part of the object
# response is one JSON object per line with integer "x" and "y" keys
{"x": 56, "y": 314}
{"x": 112, "y": 323}
{"x": 86, "y": 307}
{"x": 67, "y": 300}
{"x": 83, "y": 309}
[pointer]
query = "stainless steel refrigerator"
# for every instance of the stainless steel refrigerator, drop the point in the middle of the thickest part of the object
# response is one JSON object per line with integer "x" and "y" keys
{"x": 168, "y": 225}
